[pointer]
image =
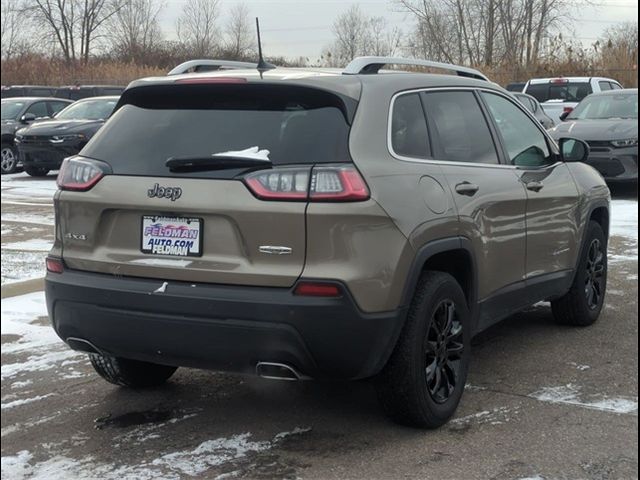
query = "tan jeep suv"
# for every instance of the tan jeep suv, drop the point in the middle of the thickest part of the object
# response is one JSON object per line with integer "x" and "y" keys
{"x": 314, "y": 224}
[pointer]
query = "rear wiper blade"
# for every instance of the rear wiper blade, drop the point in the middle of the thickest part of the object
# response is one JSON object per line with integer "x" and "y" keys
{"x": 214, "y": 162}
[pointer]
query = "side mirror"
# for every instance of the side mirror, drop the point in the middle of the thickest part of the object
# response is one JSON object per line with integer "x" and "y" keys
{"x": 27, "y": 118}
{"x": 564, "y": 115}
{"x": 573, "y": 150}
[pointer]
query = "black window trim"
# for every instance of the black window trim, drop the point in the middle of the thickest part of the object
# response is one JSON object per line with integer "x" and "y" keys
{"x": 503, "y": 156}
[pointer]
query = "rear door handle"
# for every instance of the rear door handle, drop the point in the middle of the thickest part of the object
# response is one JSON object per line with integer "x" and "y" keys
{"x": 466, "y": 188}
{"x": 534, "y": 186}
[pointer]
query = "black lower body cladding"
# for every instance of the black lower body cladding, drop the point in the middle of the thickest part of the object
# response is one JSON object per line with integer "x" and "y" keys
{"x": 220, "y": 327}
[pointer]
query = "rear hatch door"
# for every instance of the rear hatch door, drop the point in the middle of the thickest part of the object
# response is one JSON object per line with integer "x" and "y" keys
{"x": 201, "y": 225}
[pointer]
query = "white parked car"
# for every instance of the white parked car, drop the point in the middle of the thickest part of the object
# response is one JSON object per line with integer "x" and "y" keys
{"x": 561, "y": 95}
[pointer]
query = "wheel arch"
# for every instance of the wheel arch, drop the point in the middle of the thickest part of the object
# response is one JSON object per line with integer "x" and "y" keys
{"x": 7, "y": 139}
{"x": 453, "y": 255}
{"x": 599, "y": 212}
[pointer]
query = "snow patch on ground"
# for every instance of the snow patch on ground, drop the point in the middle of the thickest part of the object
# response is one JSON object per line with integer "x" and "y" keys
{"x": 43, "y": 347}
{"x": 570, "y": 395}
{"x": 31, "y": 245}
{"x": 624, "y": 218}
{"x": 497, "y": 416}
{"x": 23, "y": 401}
{"x": 174, "y": 465}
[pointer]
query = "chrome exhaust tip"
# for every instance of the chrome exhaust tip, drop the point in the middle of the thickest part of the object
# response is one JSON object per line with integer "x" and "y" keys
{"x": 82, "y": 345}
{"x": 278, "y": 371}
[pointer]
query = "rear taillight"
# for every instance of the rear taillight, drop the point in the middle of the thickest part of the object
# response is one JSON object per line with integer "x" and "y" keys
{"x": 55, "y": 265}
{"x": 567, "y": 110}
{"x": 81, "y": 174}
{"x": 334, "y": 183}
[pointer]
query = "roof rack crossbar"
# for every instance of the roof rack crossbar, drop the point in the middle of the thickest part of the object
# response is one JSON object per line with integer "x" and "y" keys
{"x": 221, "y": 64}
{"x": 371, "y": 65}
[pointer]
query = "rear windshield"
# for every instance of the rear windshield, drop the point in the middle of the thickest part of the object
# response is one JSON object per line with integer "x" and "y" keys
{"x": 296, "y": 125}
{"x": 567, "y": 92}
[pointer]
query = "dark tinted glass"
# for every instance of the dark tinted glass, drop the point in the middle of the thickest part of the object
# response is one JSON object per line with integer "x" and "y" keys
{"x": 463, "y": 135}
{"x": 525, "y": 143}
{"x": 39, "y": 109}
{"x": 57, "y": 106}
{"x": 409, "y": 136}
{"x": 303, "y": 127}
{"x": 604, "y": 85}
{"x": 539, "y": 91}
{"x": 570, "y": 91}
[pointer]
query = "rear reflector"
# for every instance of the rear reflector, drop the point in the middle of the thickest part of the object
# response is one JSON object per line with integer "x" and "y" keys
{"x": 55, "y": 265}
{"x": 81, "y": 174}
{"x": 317, "y": 289}
{"x": 334, "y": 183}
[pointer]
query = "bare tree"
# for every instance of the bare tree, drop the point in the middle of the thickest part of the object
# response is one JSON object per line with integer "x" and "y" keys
{"x": 134, "y": 31}
{"x": 11, "y": 22}
{"x": 240, "y": 36}
{"x": 197, "y": 27}
{"x": 73, "y": 25}
{"x": 484, "y": 31}
{"x": 382, "y": 40}
{"x": 357, "y": 34}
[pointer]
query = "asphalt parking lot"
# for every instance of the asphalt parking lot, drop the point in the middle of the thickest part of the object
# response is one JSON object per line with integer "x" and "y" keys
{"x": 543, "y": 401}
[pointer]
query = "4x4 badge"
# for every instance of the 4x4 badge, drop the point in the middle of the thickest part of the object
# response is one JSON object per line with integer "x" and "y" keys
{"x": 173, "y": 193}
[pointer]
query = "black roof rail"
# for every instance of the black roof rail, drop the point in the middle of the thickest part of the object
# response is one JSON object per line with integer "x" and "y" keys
{"x": 371, "y": 65}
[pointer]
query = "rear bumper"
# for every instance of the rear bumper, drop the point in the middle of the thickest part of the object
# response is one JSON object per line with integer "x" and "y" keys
{"x": 220, "y": 327}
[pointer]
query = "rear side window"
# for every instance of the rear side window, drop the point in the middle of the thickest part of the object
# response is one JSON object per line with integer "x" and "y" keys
{"x": 604, "y": 85}
{"x": 458, "y": 124}
{"x": 297, "y": 125}
{"x": 409, "y": 136}
{"x": 615, "y": 86}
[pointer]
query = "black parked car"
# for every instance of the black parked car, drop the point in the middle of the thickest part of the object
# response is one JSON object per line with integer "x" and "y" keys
{"x": 12, "y": 91}
{"x": 536, "y": 109}
{"x": 608, "y": 122}
{"x": 43, "y": 145}
{"x": 515, "y": 86}
{"x": 19, "y": 112}
{"x": 78, "y": 92}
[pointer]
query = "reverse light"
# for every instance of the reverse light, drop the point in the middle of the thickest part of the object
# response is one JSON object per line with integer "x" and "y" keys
{"x": 333, "y": 183}
{"x": 81, "y": 174}
{"x": 627, "y": 142}
{"x": 54, "y": 265}
{"x": 317, "y": 289}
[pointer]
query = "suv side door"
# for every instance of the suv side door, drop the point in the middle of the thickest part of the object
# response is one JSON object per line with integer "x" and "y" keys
{"x": 552, "y": 197}
{"x": 488, "y": 196}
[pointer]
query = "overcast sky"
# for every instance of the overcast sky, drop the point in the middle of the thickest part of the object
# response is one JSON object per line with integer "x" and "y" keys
{"x": 294, "y": 28}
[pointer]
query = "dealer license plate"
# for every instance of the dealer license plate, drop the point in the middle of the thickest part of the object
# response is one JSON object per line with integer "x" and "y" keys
{"x": 173, "y": 236}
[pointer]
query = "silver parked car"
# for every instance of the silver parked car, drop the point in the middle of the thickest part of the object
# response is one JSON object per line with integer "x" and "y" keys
{"x": 536, "y": 109}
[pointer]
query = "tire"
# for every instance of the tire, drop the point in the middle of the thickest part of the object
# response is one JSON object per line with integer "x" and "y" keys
{"x": 582, "y": 305}
{"x": 36, "y": 171}
{"x": 9, "y": 159}
{"x": 407, "y": 386}
{"x": 130, "y": 373}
